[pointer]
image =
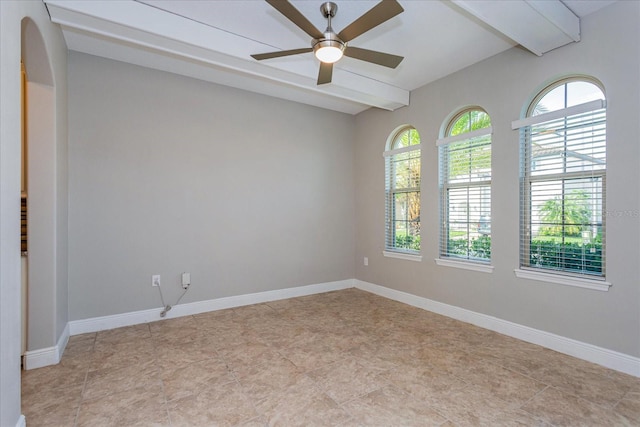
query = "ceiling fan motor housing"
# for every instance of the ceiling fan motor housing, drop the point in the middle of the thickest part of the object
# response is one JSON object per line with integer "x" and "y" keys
{"x": 329, "y": 40}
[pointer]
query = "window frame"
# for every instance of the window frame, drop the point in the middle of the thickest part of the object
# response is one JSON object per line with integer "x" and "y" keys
{"x": 445, "y": 258}
{"x": 390, "y": 156}
{"x": 560, "y": 275}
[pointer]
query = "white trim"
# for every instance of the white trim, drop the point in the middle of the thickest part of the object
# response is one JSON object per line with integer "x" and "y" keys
{"x": 42, "y": 357}
{"x": 402, "y": 255}
{"x": 597, "y": 285}
{"x": 560, "y": 24}
{"x": 466, "y": 265}
{"x": 21, "y": 421}
{"x": 63, "y": 341}
{"x": 47, "y": 356}
{"x": 395, "y": 151}
{"x": 560, "y": 16}
{"x": 565, "y": 112}
{"x": 144, "y": 316}
{"x": 602, "y": 356}
{"x": 464, "y": 136}
{"x": 605, "y": 357}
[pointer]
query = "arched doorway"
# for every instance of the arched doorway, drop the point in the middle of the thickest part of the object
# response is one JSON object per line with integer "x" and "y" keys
{"x": 39, "y": 192}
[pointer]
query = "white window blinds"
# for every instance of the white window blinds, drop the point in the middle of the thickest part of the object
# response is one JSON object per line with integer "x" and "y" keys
{"x": 465, "y": 193}
{"x": 402, "y": 207}
{"x": 563, "y": 177}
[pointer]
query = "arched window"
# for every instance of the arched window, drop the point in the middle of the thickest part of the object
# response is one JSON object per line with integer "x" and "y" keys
{"x": 402, "y": 165}
{"x": 465, "y": 187}
{"x": 563, "y": 174}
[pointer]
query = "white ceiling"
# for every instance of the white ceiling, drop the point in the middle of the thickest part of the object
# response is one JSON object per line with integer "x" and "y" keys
{"x": 212, "y": 41}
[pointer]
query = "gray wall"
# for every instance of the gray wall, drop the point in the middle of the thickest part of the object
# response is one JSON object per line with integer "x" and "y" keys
{"x": 168, "y": 174}
{"x": 42, "y": 47}
{"x": 502, "y": 85}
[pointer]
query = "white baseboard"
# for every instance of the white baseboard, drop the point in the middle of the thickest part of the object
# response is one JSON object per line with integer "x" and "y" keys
{"x": 47, "y": 356}
{"x": 21, "y": 422}
{"x": 145, "y": 316}
{"x": 42, "y": 357}
{"x": 602, "y": 356}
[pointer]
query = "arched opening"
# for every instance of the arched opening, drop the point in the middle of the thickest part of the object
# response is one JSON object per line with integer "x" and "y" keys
{"x": 39, "y": 171}
{"x": 563, "y": 179}
{"x": 402, "y": 192}
{"x": 465, "y": 187}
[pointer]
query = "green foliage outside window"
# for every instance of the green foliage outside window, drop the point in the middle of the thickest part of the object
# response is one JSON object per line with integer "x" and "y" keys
{"x": 544, "y": 253}
{"x": 479, "y": 247}
{"x": 574, "y": 256}
{"x": 568, "y": 218}
{"x": 407, "y": 242}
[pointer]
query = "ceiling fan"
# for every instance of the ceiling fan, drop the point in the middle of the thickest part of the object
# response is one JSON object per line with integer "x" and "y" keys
{"x": 328, "y": 46}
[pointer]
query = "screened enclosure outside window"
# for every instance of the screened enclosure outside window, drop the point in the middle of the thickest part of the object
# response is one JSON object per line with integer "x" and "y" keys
{"x": 465, "y": 187}
{"x": 402, "y": 166}
{"x": 563, "y": 180}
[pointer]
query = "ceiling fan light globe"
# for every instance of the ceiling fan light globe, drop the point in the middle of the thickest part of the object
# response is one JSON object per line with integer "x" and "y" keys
{"x": 329, "y": 54}
{"x": 328, "y": 51}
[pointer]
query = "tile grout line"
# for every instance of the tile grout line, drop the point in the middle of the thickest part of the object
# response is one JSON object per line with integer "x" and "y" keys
{"x": 164, "y": 391}
{"x": 86, "y": 379}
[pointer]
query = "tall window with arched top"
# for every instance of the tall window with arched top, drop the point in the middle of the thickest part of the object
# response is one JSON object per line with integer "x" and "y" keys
{"x": 465, "y": 187}
{"x": 563, "y": 177}
{"x": 402, "y": 165}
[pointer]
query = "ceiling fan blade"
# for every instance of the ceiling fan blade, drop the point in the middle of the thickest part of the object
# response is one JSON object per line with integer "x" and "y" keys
{"x": 294, "y": 15}
{"x": 378, "y": 14}
{"x": 380, "y": 58}
{"x": 325, "y": 73}
{"x": 279, "y": 53}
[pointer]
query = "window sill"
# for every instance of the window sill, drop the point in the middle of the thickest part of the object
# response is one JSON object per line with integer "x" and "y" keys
{"x": 466, "y": 265}
{"x": 597, "y": 285}
{"x": 402, "y": 255}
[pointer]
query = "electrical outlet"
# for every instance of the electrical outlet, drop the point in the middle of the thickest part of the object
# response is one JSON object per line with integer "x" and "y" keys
{"x": 366, "y": 261}
{"x": 186, "y": 280}
{"x": 155, "y": 280}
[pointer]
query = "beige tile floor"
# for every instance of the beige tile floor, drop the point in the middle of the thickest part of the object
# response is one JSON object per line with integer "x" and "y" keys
{"x": 344, "y": 358}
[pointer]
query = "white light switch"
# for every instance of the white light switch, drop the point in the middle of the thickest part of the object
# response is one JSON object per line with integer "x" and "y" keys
{"x": 366, "y": 261}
